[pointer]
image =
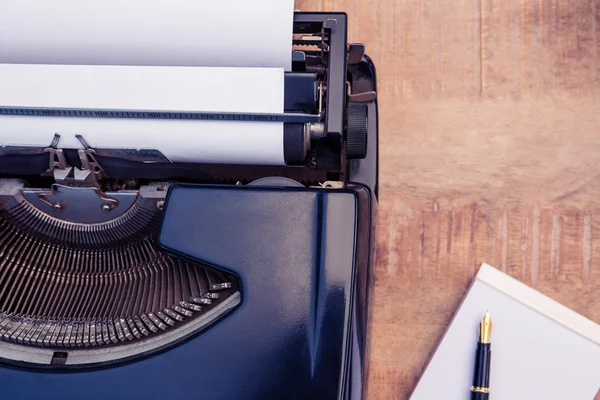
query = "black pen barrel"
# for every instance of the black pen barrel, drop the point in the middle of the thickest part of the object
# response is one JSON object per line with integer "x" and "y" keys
{"x": 481, "y": 378}
{"x": 482, "y": 365}
{"x": 479, "y": 396}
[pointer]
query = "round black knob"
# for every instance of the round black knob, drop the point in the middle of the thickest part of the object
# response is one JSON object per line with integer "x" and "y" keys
{"x": 356, "y": 131}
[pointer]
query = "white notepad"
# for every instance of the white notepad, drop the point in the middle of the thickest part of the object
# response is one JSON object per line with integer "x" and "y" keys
{"x": 540, "y": 349}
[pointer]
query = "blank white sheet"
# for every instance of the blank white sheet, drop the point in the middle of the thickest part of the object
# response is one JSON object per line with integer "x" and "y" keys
{"x": 162, "y": 33}
{"x": 191, "y": 141}
{"x": 210, "y": 89}
{"x": 203, "y": 89}
{"x": 224, "y": 33}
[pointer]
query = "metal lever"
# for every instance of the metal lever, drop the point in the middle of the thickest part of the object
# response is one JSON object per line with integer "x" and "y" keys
{"x": 364, "y": 97}
{"x": 57, "y": 158}
{"x": 81, "y": 199}
{"x": 356, "y": 52}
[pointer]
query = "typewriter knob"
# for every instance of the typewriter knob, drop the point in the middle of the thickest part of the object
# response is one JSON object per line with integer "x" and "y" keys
{"x": 356, "y": 132}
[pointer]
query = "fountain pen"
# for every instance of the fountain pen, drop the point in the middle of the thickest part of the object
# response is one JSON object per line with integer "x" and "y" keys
{"x": 481, "y": 380}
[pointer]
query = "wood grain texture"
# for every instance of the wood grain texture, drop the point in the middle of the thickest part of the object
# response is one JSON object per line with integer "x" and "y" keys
{"x": 490, "y": 151}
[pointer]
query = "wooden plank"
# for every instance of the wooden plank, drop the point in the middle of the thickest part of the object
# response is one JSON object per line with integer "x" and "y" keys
{"x": 490, "y": 147}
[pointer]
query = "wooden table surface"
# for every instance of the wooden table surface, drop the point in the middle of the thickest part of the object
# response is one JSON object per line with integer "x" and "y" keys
{"x": 490, "y": 151}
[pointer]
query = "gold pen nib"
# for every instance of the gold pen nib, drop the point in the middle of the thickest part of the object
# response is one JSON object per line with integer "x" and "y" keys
{"x": 485, "y": 329}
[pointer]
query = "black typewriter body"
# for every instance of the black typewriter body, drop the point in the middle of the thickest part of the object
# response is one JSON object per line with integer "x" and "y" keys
{"x": 172, "y": 281}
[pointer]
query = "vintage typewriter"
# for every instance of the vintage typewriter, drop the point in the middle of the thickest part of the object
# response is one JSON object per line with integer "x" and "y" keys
{"x": 124, "y": 274}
